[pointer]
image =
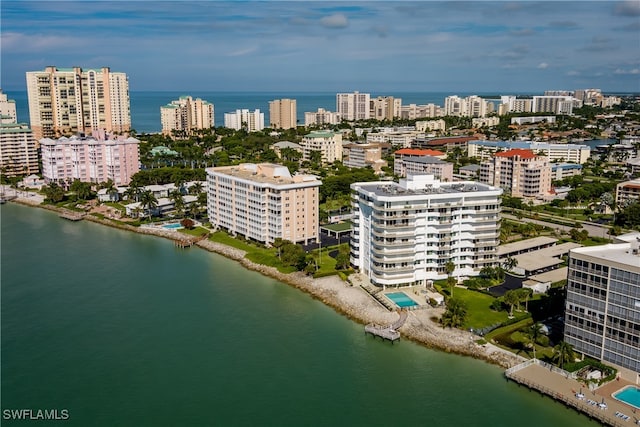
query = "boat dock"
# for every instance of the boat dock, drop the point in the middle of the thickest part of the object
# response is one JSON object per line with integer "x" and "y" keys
{"x": 563, "y": 387}
{"x": 389, "y": 332}
{"x": 72, "y": 216}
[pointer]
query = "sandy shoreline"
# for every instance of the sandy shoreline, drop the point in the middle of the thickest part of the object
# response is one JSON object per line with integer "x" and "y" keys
{"x": 346, "y": 298}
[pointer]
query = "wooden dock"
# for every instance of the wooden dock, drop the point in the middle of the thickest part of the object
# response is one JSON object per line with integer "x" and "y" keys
{"x": 389, "y": 332}
{"x": 72, "y": 216}
{"x": 183, "y": 244}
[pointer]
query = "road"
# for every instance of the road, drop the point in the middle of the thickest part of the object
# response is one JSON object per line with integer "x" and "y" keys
{"x": 594, "y": 230}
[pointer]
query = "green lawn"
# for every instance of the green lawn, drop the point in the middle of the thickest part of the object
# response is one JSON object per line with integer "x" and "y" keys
{"x": 479, "y": 313}
{"x": 196, "y": 231}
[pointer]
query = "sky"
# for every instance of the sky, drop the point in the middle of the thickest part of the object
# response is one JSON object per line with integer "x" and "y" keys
{"x": 369, "y": 46}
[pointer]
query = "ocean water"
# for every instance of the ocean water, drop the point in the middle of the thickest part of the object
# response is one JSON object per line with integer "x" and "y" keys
{"x": 121, "y": 329}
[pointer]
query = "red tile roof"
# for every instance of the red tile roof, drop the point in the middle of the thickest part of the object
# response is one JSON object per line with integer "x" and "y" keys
{"x": 419, "y": 152}
{"x": 524, "y": 154}
{"x": 452, "y": 140}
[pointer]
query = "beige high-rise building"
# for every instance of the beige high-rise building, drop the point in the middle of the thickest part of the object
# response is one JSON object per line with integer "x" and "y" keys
{"x": 7, "y": 109}
{"x": 64, "y": 101}
{"x": 186, "y": 114}
{"x": 264, "y": 202}
{"x": 385, "y": 108}
{"x": 283, "y": 114}
{"x": 519, "y": 171}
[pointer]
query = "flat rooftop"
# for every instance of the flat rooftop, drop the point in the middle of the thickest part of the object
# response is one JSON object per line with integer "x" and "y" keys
{"x": 522, "y": 245}
{"x": 613, "y": 252}
{"x": 551, "y": 276}
{"x": 428, "y": 188}
{"x": 544, "y": 258}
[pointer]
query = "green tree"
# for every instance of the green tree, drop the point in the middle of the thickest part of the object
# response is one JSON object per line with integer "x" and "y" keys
{"x": 510, "y": 263}
{"x": 278, "y": 243}
{"x": 511, "y": 298}
{"x": 81, "y": 189}
{"x": 449, "y": 267}
{"x": 178, "y": 201}
{"x": 342, "y": 259}
{"x": 563, "y": 352}
{"x": 455, "y": 315}
{"x": 148, "y": 202}
{"x": 53, "y": 192}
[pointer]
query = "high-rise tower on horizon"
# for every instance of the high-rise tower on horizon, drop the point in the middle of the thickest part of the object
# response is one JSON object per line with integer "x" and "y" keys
{"x": 283, "y": 114}
{"x": 64, "y": 101}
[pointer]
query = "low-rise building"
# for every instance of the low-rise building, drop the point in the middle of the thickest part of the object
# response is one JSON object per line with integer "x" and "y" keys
{"x": 627, "y": 192}
{"x": 264, "y": 202}
{"x": 285, "y": 145}
{"x": 405, "y": 233}
{"x": 573, "y": 153}
{"x": 565, "y": 170}
{"x": 363, "y": 155}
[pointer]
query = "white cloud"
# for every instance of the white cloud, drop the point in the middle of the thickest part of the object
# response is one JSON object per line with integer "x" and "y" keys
{"x": 632, "y": 71}
{"x": 573, "y": 73}
{"x": 337, "y": 20}
{"x": 242, "y": 52}
{"x": 543, "y": 66}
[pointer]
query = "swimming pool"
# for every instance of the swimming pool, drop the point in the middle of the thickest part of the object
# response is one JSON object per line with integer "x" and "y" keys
{"x": 629, "y": 395}
{"x": 174, "y": 226}
{"x": 401, "y": 299}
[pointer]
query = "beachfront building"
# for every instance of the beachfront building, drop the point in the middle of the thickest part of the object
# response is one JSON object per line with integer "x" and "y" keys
{"x": 18, "y": 148}
{"x": 64, "y": 101}
{"x": 471, "y": 106}
{"x": 602, "y": 311}
{"x": 513, "y": 104}
{"x": 321, "y": 117}
{"x": 328, "y": 144}
{"x": 283, "y": 114}
{"x": 628, "y": 192}
{"x": 520, "y": 172}
{"x": 385, "y": 108}
{"x": 405, "y": 233}
{"x": 364, "y": 155}
{"x": 414, "y": 111}
{"x": 574, "y": 153}
{"x": 251, "y": 121}
{"x": 263, "y": 202}
{"x": 553, "y": 104}
{"x": 185, "y": 115}
{"x": 93, "y": 159}
{"x": 353, "y": 106}
{"x": 7, "y": 109}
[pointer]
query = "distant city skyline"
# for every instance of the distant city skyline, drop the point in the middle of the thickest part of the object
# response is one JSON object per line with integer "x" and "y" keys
{"x": 455, "y": 46}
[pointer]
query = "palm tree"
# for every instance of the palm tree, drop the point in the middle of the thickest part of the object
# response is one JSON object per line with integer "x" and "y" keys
{"x": 110, "y": 187}
{"x": 133, "y": 192}
{"x": 178, "y": 201}
{"x": 196, "y": 188}
{"x": 455, "y": 315}
{"x": 563, "y": 353}
{"x": 511, "y": 298}
{"x": 534, "y": 334}
{"x": 449, "y": 268}
{"x": 510, "y": 263}
{"x": 148, "y": 201}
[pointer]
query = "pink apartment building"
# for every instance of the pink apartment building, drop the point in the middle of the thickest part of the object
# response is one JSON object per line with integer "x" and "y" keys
{"x": 263, "y": 202}
{"x": 90, "y": 159}
{"x": 518, "y": 171}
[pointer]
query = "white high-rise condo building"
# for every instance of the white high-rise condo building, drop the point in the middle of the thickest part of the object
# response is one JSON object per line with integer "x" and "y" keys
{"x": 553, "y": 104}
{"x": 405, "y": 233}
{"x": 283, "y": 114}
{"x": 321, "y": 117}
{"x": 64, "y": 101}
{"x": 602, "y": 310}
{"x": 263, "y": 202}
{"x": 353, "y": 106}
{"x": 18, "y": 151}
{"x": 471, "y": 106}
{"x": 186, "y": 115}
{"x": 251, "y": 121}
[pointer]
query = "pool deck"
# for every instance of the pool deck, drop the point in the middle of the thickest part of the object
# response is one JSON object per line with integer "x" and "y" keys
{"x": 563, "y": 388}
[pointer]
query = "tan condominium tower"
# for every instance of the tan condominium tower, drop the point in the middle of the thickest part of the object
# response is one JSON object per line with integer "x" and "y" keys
{"x": 283, "y": 114}
{"x": 185, "y": 115}
{"x": 64, "y": 101}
